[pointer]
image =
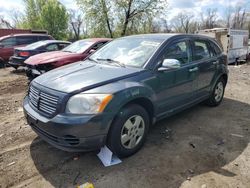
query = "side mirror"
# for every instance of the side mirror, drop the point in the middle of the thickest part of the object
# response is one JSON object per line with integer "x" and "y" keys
{"x": 1, "y": 45}
{"x": 169, "y": 64}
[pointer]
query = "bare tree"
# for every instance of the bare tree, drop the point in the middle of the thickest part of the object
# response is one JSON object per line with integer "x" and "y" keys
{"x": 5, "y": 23}
{"x": 238, "y": 19}
{"x": 182, "y": 22}
{"x": 76, "y": 21}
{"x": 16, "y": 18}
{"x": 161, "y": 26}
{"x": 106, "y": 16}
{"x": 209, "y": 20}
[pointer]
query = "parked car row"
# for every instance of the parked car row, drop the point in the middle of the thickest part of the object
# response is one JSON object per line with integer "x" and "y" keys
{"x": 9, "y": 42}
{"x": 77, "y": 51}
{"x": 23, "y": 53}
{"x": 114, "y": 95}
{"x": 39, "y": 53}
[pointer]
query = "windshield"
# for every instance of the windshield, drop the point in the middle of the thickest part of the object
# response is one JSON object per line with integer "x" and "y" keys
{"x": 35, "y": 45}
{"x": 78, "y": 46}
{"x": 128, "y": 51}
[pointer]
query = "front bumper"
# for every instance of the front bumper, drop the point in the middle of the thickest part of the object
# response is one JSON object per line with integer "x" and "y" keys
{"x": 33, "y": 72}
{"x": 16, "y": 61}
{"x": 68, "y": 132}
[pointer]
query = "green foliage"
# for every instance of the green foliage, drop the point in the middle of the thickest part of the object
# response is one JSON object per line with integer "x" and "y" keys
{"x": 96, "y": 15}
{"x": 114, "y": 18}
{"x": 54, "y": 19}
{"x": 48, "y": 15}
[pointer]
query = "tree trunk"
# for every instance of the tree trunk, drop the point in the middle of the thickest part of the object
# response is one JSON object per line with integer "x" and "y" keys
{"x": 127, "y": 16}
{"x": 104, "y": 7}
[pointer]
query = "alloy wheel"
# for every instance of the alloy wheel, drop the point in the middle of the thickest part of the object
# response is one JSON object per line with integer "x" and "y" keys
{"x": 132, "y": 132}
{"x": 218, "y": 93}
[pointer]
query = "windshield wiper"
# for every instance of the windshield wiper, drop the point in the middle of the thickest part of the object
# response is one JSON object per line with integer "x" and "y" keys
{"x": 112, "y": 61}
{"x": 89, "y": 58}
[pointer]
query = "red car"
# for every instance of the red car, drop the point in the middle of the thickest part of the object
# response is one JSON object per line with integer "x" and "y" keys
{"x": 77, "y": 51}
{"x": 9, "y": 42}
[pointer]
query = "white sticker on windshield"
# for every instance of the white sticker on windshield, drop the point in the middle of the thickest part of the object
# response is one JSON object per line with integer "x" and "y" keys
{"x": 150, "y": 43}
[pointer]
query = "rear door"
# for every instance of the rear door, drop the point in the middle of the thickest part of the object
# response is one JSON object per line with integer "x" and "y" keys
{"x": 176, "y": 87}
{"x": 206, "y": 60}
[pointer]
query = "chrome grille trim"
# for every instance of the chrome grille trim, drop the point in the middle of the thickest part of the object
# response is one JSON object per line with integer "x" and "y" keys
{"x": 43, "y": 101}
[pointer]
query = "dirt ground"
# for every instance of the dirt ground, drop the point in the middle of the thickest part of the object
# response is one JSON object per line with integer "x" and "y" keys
{"x": 201, "y": 147}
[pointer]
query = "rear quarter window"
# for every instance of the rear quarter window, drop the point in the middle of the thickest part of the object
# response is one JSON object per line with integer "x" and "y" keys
{"x": 22, "y": 40}
{"x": 62, "y": 45}
{"x": 98, "y": 45}
{"x": 44, "y": 38}
{"x": 215, "y": 48}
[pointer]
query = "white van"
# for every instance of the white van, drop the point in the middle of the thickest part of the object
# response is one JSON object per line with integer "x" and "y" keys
{"x": 234, "y": 42}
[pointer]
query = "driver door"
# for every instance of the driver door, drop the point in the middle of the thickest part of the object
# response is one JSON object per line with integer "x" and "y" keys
{"x": 176, "y": 86}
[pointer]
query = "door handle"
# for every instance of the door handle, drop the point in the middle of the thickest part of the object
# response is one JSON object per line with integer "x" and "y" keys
{"x": 215, "y": 62}
{"x": 193, "y": 69}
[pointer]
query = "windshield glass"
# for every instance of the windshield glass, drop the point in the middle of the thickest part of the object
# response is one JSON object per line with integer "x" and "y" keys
{"x": 35, "y": 45}
{"x": 78, "y": 46}
{"x": 128, "y": 51}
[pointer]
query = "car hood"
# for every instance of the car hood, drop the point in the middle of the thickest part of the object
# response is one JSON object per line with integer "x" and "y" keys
{"x": 49, "y": 57}
{"x": 83, "y": 76}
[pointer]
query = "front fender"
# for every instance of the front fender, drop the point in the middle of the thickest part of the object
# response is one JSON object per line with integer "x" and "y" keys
{"x": 124, "y": 93}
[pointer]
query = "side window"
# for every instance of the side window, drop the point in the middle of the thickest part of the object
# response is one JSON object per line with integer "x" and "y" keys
{"x": 9, "y": 42}
{"x": 179, "y": 51}
{"x": 62, "y": 45}
{"x": 201, "y": 50}
{"x": 52, "y": 47}
{"x": 21, "y": 40}
{"x": 99, "y": 45}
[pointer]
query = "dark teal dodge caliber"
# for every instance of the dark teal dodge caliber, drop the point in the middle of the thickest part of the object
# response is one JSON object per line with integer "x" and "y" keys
{"x": 113, "y": 97}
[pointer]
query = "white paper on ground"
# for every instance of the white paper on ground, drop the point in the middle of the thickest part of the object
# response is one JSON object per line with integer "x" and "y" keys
{"x": 107, "y": 157}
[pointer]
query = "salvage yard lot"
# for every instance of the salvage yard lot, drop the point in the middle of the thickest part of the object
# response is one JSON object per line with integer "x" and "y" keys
{"x": 200, "y": 147}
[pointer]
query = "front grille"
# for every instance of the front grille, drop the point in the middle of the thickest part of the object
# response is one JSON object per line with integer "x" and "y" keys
{"x": 42, "y": 101}
{"x": 71, "y": 140}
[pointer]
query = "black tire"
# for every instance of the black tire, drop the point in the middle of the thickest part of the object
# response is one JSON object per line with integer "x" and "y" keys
{"x": 115, "y": 134}
{"x": 2, "y": 64}
{"x": 213, "y": 101}
{"x": 15, "y": 66}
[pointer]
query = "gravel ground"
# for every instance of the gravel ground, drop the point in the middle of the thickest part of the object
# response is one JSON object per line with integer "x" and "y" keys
{"x": 200, "y": 147}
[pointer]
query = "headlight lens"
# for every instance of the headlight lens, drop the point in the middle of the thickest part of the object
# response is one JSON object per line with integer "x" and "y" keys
{"x": 88, "y": 103}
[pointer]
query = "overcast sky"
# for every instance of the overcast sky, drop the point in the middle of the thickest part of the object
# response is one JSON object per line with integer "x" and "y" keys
{"x": 175, "y": 6}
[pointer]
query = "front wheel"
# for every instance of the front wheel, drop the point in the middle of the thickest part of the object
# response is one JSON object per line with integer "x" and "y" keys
{"x": 128, "y": 131}
{"x": 217, "y": 93}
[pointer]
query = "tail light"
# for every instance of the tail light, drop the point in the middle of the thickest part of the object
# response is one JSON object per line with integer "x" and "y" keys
{"x": 24, "y": 54}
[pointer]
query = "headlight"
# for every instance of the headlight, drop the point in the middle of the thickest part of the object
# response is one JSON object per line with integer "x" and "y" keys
{"x": 87, "y": 103}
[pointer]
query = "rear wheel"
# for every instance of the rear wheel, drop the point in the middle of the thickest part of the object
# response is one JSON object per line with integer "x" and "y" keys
{"x": 217, "y": 94}
{"x": 128, "y": 131}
